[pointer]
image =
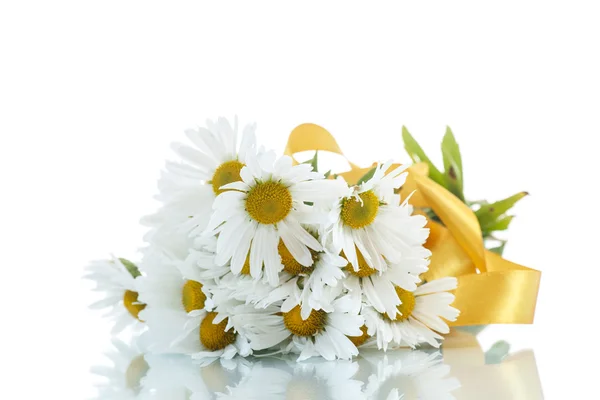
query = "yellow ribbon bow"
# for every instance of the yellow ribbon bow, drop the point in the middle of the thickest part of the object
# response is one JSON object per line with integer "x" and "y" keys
{"x": 491, "y": 289}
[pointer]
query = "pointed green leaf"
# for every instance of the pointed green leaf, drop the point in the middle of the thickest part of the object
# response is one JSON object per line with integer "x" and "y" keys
{"x": 501, "y": 224}
{"x": 131, "y": 267}
{"x": 499, "y": 249}
{"x": 417, "y": 154}
{"x": 313, "y": 161}
{"x": 367, "y": 176}
{"x": 452, "y": 164}
{"x": 489, "y": 213}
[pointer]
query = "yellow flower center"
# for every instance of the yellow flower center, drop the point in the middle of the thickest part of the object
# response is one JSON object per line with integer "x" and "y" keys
{"x": 131, "y": 303}
{"x": 363, "y": 268}
{"x": 290, "y": 264}
{"x": 357, "y": 214}
{"x": 136, "y": 371}
{"x": 359, "y": 340}
{"x": 213, "y": 336}
{"x": 226, "y": 173}
{"x": 192, "y": 296}
{"x": 269, "y": 202}
{"x": 309, "y": 327}
{"x": 407, "y": 307}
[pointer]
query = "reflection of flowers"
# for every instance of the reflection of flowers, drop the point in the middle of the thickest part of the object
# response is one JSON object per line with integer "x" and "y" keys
{"x": 271, "y": 380}
{"x": 393, "y": 376}
{"x": 123, "y": 378}
{"x": 409, "y": 375}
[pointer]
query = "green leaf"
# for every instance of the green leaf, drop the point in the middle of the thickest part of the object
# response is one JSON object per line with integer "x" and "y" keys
{"x": 367, "y": 176}
{"x": 499, "y": 249}
{"x": 131, "y": 267}
{"x": 501, "y": 224}
{"x": 452, "y": 164}
{"x": 417, "y": 154}
{"x": 313, "y": 161}
{"x": 489, "y": 213}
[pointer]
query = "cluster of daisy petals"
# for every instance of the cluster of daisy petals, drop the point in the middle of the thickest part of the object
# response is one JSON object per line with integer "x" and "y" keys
{"x": 251, "y": 254}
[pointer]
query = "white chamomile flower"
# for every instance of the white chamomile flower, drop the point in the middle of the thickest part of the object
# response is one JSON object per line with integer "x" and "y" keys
{"x": 221, "y": 334}
{"x": 172, "y": 224}
{"x": 216, "y": 157}
{"x": 123, "y": 378}
{"x": 311, "y": 287}
{"x": 187, "y": 189}
{"x": 378, "y": 288}
{"x": 116, "y": 278}
{"x": 419, "y": 317}
{"x": 320, "y": 334}
{"x": 175, "y": 299}
{"x": 241, "y": 287}
{"x": 269, "y": 205}
{"x": 370, "y": 224}
{"x": 410, "y": 374}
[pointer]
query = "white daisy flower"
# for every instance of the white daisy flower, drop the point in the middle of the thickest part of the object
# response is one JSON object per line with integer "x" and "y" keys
{"x": 188, "y": 189}
{"x": 269, "y": 205}
{"x": 321, "y": 333}
{"x": 307, "y": 286}
{"x": 116, "y": 278}
{"x": 419, "y": 317}
{"x": 175, "y": 299}
{"x": 172, "y": 224}
{"x": 219, "y": 335}
{"x": 378, "y": 288}
{"x": 241, "y": 287}
{"x": 370, "y": 224}
{"x": 123, "y": 378}
{"x": 410, "y": 374}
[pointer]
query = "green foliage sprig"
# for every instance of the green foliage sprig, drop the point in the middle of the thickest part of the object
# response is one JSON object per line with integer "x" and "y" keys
{"x": 492, "y": 216}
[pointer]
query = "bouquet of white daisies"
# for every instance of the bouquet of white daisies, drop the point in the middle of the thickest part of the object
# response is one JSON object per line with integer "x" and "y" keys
{"x": 254, "y": 254}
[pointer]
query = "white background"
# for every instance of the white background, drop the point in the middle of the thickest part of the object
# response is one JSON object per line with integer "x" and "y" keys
{"x": 91, "y": 94}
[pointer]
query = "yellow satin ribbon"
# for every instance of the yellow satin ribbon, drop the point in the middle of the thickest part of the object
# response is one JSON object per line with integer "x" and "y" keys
{"x": 491, "y": 289}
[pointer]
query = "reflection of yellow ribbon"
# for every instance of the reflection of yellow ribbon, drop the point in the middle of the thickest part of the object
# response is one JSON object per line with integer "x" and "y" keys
{"x": 516, "y": 377}
{"x": 491, "y": 290}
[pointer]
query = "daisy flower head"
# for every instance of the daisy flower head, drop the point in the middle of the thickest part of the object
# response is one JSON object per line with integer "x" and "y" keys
{"x": 241, "y": 287}
{"x": 117, "y": 279}
{"x": 188, "y": 188}
{"x": 421, "y": 316}
{"x": 221, "y": 331}
{"x": 176, "y": 299}
{"x": 379, "y": 288}
{"x": 311, "y": 287}
{"x": 322, "y": 333}
{"x": 372, "y": 228}
{"x": 215, "y": 157}
{"x": 269, "y": 205}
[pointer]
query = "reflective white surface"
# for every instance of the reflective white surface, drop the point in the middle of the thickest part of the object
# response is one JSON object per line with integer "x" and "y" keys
{"x": 460, "y": 370}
